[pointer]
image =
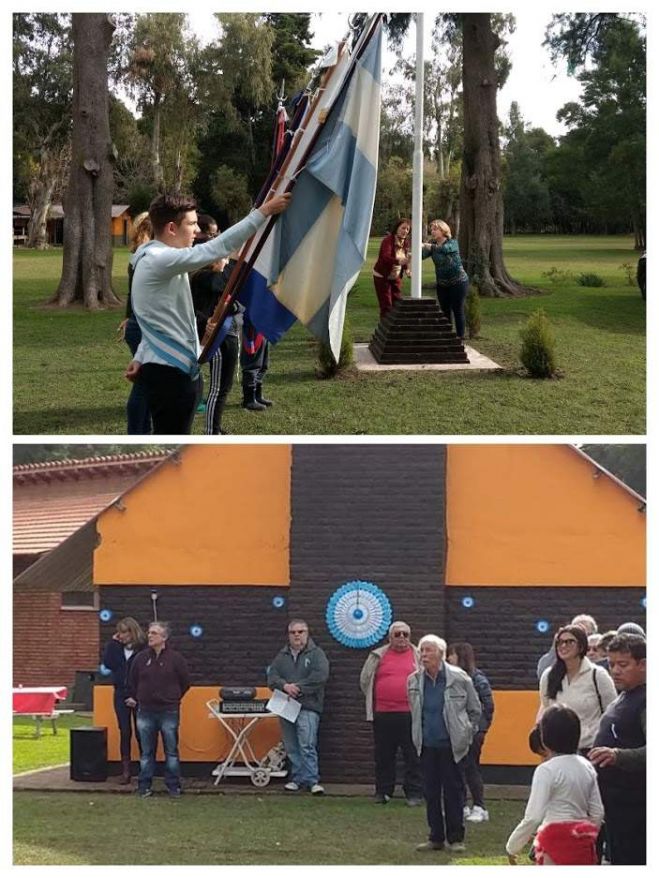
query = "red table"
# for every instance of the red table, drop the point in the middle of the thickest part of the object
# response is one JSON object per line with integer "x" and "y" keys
{"x": 39, "y": 702}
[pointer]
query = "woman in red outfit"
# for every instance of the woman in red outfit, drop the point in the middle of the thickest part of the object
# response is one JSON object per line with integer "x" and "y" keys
{"x": 391, "y": 264}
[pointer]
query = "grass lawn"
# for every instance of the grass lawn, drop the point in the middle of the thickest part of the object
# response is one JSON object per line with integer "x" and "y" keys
{"x": 91, "y": 829}
{"x": 48, "y": 749}
{"x": 68, "y": 367}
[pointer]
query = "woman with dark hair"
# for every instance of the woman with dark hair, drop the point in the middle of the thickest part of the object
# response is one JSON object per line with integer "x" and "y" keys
{"x": 392, "y": 264}
{"x": 575, "y": 681}
{"x": 451, "y": 278}
{"x": 127, "y": 640}
{"x": 462, "y": 655}
{"x": 565, "y": 801}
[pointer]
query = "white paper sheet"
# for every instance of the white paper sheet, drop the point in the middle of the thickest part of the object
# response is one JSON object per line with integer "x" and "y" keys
{"x": 283, "y": 705}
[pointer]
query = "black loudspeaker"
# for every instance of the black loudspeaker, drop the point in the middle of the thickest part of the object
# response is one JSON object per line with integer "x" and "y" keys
{"x": 89, "y": 754}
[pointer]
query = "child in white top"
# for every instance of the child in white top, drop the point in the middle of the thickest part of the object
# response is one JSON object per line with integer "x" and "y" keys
{"x": 564, "y": 802}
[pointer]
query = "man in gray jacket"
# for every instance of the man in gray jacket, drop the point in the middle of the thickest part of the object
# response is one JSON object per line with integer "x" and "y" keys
{"x": 445, "y": 711}
{"x": 301, "y": 670}
{"x": 383, "y": 681}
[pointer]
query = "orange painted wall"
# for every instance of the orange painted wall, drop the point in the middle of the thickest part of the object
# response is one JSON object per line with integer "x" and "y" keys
{"x": 507, "y": 740}
{"x": 201, "y": 737}
{"x": 534, "y": 515}
{"x": 220, "y": 516}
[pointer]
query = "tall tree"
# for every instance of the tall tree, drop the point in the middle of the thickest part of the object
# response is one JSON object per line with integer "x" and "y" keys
{"x": 87, "y": 267}
{"x": 42, "y": 88}
{"x": 527, "y": 202}
{"x": 481, "y": 199}
{"x": 611, "y": 117}
{"x": 159, "y": 69}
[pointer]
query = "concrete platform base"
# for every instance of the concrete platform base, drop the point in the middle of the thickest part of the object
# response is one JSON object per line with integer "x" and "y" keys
{"x": 57, "y": 780}
{"x": 365, "y": 362}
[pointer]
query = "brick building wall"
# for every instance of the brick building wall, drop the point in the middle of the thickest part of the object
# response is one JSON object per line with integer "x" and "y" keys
{"x": 375, "y": 513}
{"x": 51, "y": 644}
{"x": 242, "y": 628}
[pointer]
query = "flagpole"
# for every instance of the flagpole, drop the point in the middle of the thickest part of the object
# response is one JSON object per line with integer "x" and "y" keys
{"x": 417, "y": 167}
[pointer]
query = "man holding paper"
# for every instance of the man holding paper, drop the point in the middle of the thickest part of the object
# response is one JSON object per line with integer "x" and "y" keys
{"x": 301, "y": 670}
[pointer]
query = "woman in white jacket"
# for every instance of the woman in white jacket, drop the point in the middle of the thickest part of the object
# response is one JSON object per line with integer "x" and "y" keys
{"x": 573, "y": 680}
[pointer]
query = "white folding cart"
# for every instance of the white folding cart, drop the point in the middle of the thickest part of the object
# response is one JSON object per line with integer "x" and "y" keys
{"x": 239, "y": 727}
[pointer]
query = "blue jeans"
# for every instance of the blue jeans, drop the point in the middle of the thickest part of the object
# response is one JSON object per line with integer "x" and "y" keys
{"x": 300, "y": 741}
{"x": 149, "y": 724}
{"x": 452, "y": 302}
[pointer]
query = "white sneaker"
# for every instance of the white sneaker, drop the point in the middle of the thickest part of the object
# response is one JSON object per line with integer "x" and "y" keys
{"x": 466, "y": 811}
{"x": 478, "y": 815}
{"x": 291, "y": 786}
{"x": 457, "y": 847}
{"x": 317, "y": 790}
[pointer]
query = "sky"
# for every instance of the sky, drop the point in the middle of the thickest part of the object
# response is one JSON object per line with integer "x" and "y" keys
{"x": 539, "y": 88}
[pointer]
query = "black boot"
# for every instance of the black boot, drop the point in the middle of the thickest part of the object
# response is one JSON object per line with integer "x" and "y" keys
{"x": 249, "y": 400}
{"x": 260, "y": 398}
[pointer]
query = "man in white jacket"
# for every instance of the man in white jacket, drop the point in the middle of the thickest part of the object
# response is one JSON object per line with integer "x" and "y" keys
{"x": 166, "y": 359}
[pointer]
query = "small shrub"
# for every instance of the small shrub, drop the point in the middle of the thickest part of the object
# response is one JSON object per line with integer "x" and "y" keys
{"x": 590, "y": 280}
{"x": 538, "y": 347}
{"x": 473, "y": 313}
{"x": 630, "y": 271}
{"x": 558, "y": 275}
{"x": 327, "y": 367}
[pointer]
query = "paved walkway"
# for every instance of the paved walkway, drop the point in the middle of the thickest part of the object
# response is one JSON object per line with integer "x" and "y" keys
{"x": 57, "y": 780}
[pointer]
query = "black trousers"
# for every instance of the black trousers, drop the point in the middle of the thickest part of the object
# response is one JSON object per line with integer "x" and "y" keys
{"x": 471, "y": 766}
{"x": 452, "y": 302}
{"x": 223, "y": 369}
{"x": 392, "y": 731}
{"x": 254, "y": 366}
{"x": 444, "y": 794}
{"x": 172, "y": 396}
{"x": 127, "y": 722}
{"x": 624, "y": 827}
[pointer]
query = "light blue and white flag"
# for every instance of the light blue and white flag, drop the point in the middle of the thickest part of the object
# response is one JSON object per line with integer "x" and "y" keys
{"x": 314, "y": 254}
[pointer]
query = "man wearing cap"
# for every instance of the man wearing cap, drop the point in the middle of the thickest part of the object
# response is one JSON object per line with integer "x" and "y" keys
{"x": 383, "y": 681}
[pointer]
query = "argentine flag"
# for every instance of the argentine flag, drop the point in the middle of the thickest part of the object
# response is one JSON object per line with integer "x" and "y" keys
{"x": 315, "y": 252}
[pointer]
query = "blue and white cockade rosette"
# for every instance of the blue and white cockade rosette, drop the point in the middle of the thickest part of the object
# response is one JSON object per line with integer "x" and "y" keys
{"x": 358, "y": 614}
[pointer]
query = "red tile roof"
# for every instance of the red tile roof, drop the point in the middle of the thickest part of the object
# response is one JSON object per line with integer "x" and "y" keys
{"x": 45, "y": 514}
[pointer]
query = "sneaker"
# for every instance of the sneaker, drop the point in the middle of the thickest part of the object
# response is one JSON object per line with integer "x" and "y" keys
{"x": 145, "y": 794}
{"x": 291, "y": 786}
{"x": 478, "y": 815}
{"x": 466, "y": 811}
{"x": 457, "y": 847}
{"x": 413, "y": 802}
{"x": 317, "y": 790}
{"x": 430, "y": 846}
{"x": 381, "y": 799}
{"x": 175, "y": 793}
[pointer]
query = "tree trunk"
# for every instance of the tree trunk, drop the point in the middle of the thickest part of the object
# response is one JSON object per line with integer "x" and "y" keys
{"x": 481, "y": 200}
{"x": 155, "y": 144}
{"x": 87, "y": 269}
{"x": 40, "y": 199}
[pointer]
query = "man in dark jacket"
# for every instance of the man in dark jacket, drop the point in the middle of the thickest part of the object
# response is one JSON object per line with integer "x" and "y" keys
{"x": 158, "y": 681}
{"x": 301, "y": 670}
{"x": 619, "y": 752}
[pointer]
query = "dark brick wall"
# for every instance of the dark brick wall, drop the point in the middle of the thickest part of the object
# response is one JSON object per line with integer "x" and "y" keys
{"x": 242, "y": 630}
{"x": 376, "y": 513}
{"x": 501, "y": 625}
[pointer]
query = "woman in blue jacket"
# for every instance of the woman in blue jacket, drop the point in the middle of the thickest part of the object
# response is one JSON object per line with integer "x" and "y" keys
{"x": 452, "y": 280}
{"x": 118, "y": 655}
{"x": 462, "y": 655}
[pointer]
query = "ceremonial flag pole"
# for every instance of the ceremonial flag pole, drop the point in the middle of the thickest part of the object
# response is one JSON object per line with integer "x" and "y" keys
{"x": 417, "y": 166}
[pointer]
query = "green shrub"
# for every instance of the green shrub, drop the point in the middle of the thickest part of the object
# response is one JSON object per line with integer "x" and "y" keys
{"x": 590, "y": 280}
{"x": 473, "y": 313}
{"x": 327, "y": 367}
{"x": 537, "y": 353}
{"x": 559, "y": 275}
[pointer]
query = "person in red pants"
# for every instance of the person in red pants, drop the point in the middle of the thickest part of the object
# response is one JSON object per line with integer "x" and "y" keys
{"x": 392, "y": 263}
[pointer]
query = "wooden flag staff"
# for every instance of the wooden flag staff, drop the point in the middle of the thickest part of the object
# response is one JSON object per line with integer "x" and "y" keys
{"x": 245, "y": 263}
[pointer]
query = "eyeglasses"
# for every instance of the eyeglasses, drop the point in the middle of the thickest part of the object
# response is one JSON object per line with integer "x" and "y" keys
{"x": 569, "y": 641}
{"x": 401, "y": 634}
